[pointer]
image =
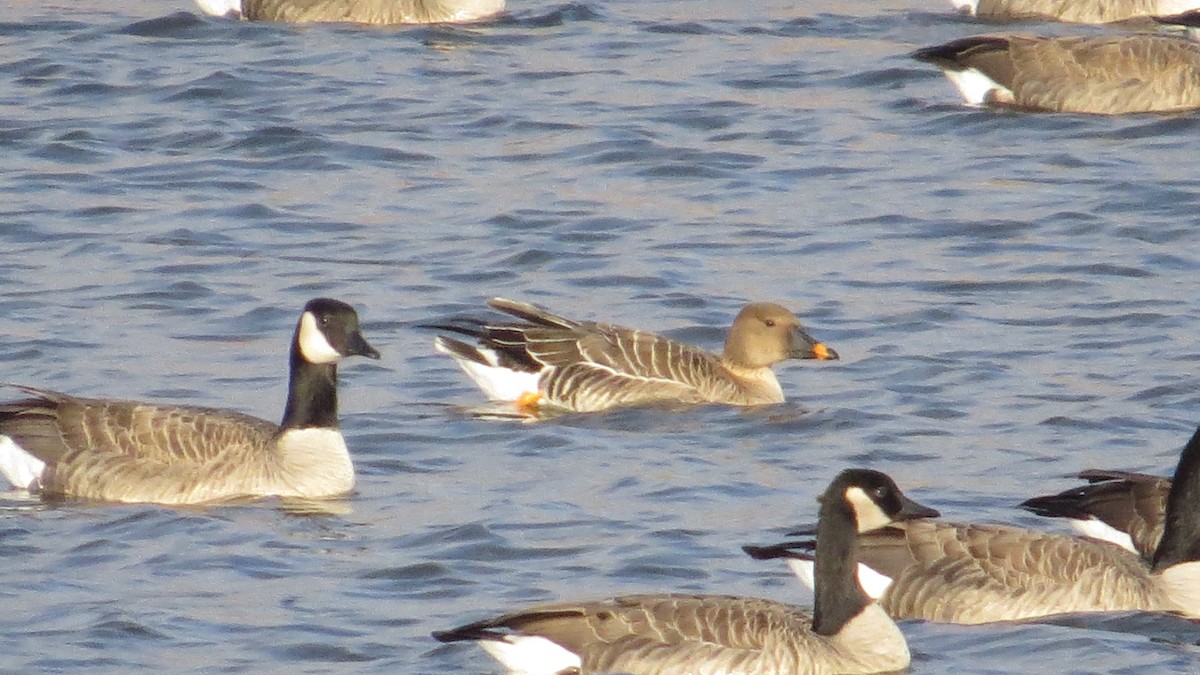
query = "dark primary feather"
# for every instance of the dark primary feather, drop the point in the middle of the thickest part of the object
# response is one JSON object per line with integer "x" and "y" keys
{"x": 1133, "y": 503}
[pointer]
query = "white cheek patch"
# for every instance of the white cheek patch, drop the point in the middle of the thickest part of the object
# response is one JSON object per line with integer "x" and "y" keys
{"x": 965, "y": 6}
{"x": 532, "y": 655}
{"x": 867, "y": 513}
{"x": 313, "y": 345}
{"x": 230, "y": 9}
{"x": 19, "y": 467}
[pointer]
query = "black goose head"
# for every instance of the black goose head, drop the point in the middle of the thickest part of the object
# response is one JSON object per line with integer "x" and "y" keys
{"x": 328, "y": 331}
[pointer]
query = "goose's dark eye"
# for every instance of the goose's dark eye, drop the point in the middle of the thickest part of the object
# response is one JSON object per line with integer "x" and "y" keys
{"x": 880, "y": 492}
{"x": 770, "y": 323}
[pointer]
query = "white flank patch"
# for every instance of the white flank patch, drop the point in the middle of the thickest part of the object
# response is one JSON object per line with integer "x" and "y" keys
{"x": 1182, "y": 583}
{"x": 314, "y": 346}
{"x": 873, "y": 583}
{"x": 478, "y": 9}
{"x": 531, "y": 655}
{"x": 497, "y": 383}
{"x": 965, "y": 6}
{"x": 231, "y": 9}
{"x": 975, "y": 87}
{"x": 19, "y": 467}
{"x": 1098, "y": 529}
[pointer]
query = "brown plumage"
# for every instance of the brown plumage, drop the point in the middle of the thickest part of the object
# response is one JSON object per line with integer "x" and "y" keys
{"x": 1109, "y": 75}
{"x": 1131, "y": 504}
{"x": 671, "y": 634}
{"x": 586, "y": 366}
{"x": 125, "y": 451}
{"x": 1075, "y": 11}
{"x": 978, "y": 573}
{"x": 378, "y": 12}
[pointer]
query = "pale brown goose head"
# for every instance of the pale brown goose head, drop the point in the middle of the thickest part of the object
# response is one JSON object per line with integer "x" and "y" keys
{"x": 765, "y": 333}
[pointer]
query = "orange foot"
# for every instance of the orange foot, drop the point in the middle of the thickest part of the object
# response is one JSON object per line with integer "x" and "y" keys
{"x": 529, "y": 401}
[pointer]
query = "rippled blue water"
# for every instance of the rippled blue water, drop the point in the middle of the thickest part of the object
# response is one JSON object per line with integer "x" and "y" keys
{"x": 1014, "y": 298}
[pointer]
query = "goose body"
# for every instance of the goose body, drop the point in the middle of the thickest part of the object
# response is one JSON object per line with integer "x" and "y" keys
{"x": 1110, "y": 75}
{"x": 955, "y": 573}
{"x": 671, "y": 634}
{"x": 377, "y": 12}
{"x": 1073, "y": 11}
{"x": 59, "y": 446}
{"x": 584, "y": 366}
{"x": 1127, "y": 509}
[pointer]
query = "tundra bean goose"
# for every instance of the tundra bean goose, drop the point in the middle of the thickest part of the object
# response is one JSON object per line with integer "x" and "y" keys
{"x": 711, "y": 634}
{"x": 379, "y": 12}
{"x": 1109, "y": 74}
{"x": 926, "y": 569}
{"x": 124, "y": 451}
{"x": 583, "y": 366}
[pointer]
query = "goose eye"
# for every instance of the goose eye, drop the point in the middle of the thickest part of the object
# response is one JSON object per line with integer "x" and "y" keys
{"x": 770, "y": 323}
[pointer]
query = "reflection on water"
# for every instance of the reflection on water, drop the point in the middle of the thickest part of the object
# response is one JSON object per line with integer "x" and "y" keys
{"x": 1010, "y": 295}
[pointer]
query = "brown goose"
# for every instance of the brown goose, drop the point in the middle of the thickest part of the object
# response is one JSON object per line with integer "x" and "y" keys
{"x": 378, "y": 12}
{"x": 1109, "y": 75}
{"x": 123, "y": 451}
{"x": 1127, "y": 509}
{"x": 582, "y": 366}
{"x": 710, "y": 634}
{"x": 1073, "y": 11}
{"x": 979, "y": 573}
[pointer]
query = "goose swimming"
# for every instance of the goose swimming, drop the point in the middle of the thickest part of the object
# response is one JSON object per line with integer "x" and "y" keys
{"x": 937, "y": 571}
{"x": 1099, "y": 74}
{"x": 61, "y": 446}
{"x": 676, "y": 634}
{"x": 583, "y": 366}
{"x": 377, "y": 12}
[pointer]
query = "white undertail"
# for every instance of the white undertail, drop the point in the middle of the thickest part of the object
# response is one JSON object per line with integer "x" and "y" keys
{"x": 498, "y": 383}
{"x": 531, "y": 655}
{"x": 19, "y": 467}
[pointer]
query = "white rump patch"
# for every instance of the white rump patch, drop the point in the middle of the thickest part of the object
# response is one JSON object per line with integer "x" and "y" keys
{"x": 314, "y": 346}
{"x": 965, "y": 6}
{"x": 19, "y": 467}
{"x": 230, "y": 9}
{"x": 977, "y": 88}
{"x": 531, "y": 655}
{"x": 497, "y": 383}
{"x": 873, "y": 583}
{"x": 1098, "y": 529}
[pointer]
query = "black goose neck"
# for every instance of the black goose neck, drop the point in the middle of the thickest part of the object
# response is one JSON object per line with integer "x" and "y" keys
{"x": 1181, "y": 532}
{"x": 312, "y": 394}
{"x": 839, "y": 598}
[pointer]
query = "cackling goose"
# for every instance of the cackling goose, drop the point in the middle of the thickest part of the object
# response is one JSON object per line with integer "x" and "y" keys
{"x": 378, "y": 12}
{"x": 583, "y": 366}
{"x": 926, "y": 569}
{"x": 705, "y": 634}
{"x": 123, "y": 451}
{"x": 1109, "y": 75}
